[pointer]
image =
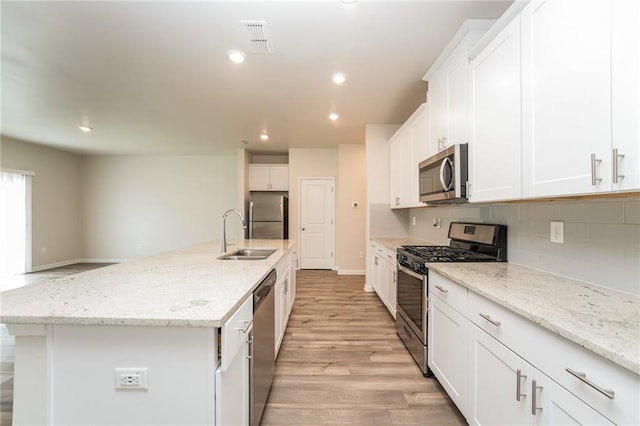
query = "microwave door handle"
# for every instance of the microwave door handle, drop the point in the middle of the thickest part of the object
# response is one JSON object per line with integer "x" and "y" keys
{"x": 445, "y": 185}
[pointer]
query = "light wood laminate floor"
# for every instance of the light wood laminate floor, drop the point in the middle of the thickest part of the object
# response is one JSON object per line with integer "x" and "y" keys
{"x": 341, "y": 362}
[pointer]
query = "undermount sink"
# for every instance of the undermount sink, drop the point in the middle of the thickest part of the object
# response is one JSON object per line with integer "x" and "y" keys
{"x": 248, "y": 254}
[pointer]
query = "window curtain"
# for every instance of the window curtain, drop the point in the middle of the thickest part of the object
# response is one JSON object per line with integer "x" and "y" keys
{"x": 13, "y": 223}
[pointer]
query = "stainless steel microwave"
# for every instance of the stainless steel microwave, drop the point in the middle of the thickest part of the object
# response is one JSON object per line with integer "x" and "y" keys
{"x": 443, "y": 177}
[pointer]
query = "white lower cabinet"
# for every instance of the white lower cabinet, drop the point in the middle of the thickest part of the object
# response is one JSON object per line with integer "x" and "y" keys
{"x": 383, "y": 276}
{"x": 447, "y": 349}
{"x": 232, "y": 376}
{"x": 500, "y": 368}
{"x": 282, "y": 309}
{"x": 506, "y": 390}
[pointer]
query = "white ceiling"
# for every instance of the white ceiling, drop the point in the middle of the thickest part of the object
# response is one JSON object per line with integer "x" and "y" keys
{"x": 152, "y": 76}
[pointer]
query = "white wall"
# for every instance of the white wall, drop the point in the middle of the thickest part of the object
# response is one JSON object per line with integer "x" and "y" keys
{"x": 381, "y": 220}
{"x": 139, "y": 205}
{"x": 56, "y": 207}
{"x": 602, "y": 237}
{"x": 350, "y": 221}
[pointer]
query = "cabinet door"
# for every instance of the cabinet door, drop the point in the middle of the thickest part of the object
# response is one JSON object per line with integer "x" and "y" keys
{"x": 383, "y": 280}
{"x": 458, "y": 98}
{"x": 374, "y": 270}
{"x": 395, "y": 171}
{"x": 437, "y": 101}
{"x": 420, "y": 150}
{"x": 567, "y": 96}
{"x": 625, "y": 85}
{"x": 494, "y": 150}
{"x": 447, "y": 348}
{"x": 259, "y": 177}
{"x": 493, "y": 382}
{"x": 392, "y": 288}
{"x": 279, "y": 177}
{"x": 558, "y": 406}
{"x": 280, "y": 312}
{"x": 232, "y": 388}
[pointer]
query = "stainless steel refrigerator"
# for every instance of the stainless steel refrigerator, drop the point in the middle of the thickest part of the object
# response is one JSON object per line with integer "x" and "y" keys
{"x": 269, "y": 216}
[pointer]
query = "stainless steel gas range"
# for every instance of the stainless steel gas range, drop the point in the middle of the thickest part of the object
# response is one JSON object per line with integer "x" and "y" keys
{"x": 470, "y": 242}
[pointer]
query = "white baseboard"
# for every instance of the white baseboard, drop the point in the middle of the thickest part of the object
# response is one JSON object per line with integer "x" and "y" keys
{"x": 350, "y": 271}
{"x": 72, "y": 261}
{"x": 54, "y": 265}
{"x": 368, "y": 289}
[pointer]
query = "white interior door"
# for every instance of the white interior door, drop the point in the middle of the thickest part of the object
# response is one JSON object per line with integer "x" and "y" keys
{"x": 316, "y": 223}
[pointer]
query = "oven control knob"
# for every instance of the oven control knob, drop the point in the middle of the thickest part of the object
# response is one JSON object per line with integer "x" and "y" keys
{"x": 416, "y": 266}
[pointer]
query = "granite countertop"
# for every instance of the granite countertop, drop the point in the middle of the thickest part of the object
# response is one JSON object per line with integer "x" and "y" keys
{"x": 189, "y": 287}
{"x": 393, "y": 243}
{"x": 604, "y": 321}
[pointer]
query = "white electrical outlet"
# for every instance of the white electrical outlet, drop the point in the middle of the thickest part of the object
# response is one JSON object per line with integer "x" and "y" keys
{"x": 131, "y": 378}
{"x": 413, "y": 220}
{"x": 436, "y": 222}
{"x": 361, "y": 254}
{"x": 557, "y": 232}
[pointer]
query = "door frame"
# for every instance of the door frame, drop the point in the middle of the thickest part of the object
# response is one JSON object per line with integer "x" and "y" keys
{"x": 333, "y": 221}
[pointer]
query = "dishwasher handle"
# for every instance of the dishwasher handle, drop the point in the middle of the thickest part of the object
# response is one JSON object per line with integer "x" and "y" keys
{"x": 263, "y": 289}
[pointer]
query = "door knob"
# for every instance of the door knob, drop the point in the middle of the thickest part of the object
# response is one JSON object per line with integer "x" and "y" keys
{"x": 302, "y": 229}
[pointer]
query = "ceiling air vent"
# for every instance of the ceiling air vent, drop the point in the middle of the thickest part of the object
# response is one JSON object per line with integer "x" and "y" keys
{"x": 259, "y": 39}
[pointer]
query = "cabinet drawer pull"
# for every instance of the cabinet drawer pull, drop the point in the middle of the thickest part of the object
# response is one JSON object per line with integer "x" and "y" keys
{"x": 247, "y": 325}
{"x": 442, "y": 289}
{"x": 583, "y": 378}
{"x": 488, "y": 318}
{"x": 614, "y": 165}
{"x": 594, "y": 178}
{"x": 519, "y": 377}
{"x": 534, "y": 398}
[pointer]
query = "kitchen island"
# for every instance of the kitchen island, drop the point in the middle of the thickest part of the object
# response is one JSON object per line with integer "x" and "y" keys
{"x": 162, "y": 318}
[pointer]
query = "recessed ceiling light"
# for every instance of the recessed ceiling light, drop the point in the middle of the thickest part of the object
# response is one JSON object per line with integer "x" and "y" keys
{"x": 85, "y": 128}
{"x": 338, "y": 77}
{"x": 348, "y": 1}
{"x": 333, "y": 116}
{"x": 236, "y": 56}
{"x": 264, "y": 137}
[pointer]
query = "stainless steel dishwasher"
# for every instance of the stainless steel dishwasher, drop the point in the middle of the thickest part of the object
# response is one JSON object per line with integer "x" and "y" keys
{"x": 262, "y": 347}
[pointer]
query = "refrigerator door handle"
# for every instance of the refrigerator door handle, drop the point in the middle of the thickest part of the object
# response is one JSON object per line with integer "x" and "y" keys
{"x": 251, "y": 220}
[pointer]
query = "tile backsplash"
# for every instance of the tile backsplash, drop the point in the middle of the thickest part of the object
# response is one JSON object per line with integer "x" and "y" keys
{"x": 601, "y": 237}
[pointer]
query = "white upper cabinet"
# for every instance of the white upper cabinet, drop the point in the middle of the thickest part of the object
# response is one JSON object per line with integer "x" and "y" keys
{"x": 625, "y": 93}
{"x": 408, "y": 146}
{"x": 580, "y": 88}
{"x": 495, "y": 147}
{"x": 448, "y": 94}
{"x": 268, "y": 177}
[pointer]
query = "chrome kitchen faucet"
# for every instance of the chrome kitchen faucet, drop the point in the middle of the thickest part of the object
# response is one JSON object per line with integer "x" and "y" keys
{"x": 223, "y": 238}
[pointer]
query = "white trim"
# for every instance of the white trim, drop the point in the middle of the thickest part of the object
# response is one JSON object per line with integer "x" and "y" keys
{"x": 17, "y": 171}
{"x": 350, "y": 271}
{"x": 28, "y": 246}
{"x": 368, "y": 288}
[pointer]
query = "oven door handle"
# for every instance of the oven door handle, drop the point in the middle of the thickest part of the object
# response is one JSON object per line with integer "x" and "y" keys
{"x": 410, "y": 272}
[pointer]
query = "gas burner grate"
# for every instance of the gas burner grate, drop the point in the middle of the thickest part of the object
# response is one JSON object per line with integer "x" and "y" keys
{"x": 447, "y": 254}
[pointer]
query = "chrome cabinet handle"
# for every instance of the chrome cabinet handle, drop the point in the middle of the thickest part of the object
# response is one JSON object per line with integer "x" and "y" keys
{"x": 246, "y": 327}
{"x": 583, "y": 378}
{"x": 488, "y": 318}
{"x": 442, "y": 289}
{"x": 614, "y": 165}
{"x": 519, "y": 377}
{"x": 534, "y": 398}
{"x": 594, "y": 178}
